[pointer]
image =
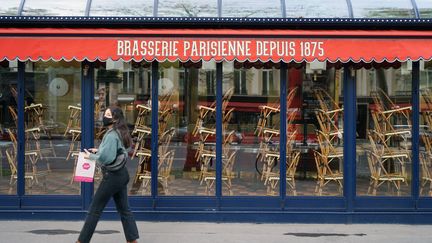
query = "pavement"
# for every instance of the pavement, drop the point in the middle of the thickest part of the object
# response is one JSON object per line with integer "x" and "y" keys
{"x": 200, "y": 232}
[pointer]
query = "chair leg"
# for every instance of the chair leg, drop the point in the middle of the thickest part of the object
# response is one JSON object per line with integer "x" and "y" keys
{"x": 422, "y": 187}
{"x": 165, "y": 186}
{"x": 398, "y": 188}
{"x": 293, "y": 185}
{"x": 375, "y": 185}
{"x": 430, "y": 188}
{"x": 370, "y": 187}
{"x": 320, "y": 187}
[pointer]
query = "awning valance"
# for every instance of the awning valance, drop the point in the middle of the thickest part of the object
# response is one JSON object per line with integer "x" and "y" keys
{"x": 218, "y": 44}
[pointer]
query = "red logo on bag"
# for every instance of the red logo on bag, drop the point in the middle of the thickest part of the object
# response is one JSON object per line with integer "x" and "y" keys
{"x": 86, "y": 166}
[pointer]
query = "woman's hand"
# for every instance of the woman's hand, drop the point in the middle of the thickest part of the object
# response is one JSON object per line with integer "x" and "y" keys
{"x": 93, "y": 150}
{"x": 87, "y": 154}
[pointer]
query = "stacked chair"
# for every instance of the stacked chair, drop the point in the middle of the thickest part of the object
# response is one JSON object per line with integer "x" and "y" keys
{"x": 37, "y": 126}
{"x": 32, "y": 174}
{"x": 268, "y": 152}
{"x": 292, "y": 160}
{"x": 33, "y": 129}
{"x": 389, "y": 151}
{"x": 426, "y": 137}
{"x": 73, "y": 128}
{"x": 329, "y": 156}
{"x": 206, "y": 153}
{"x": 143, "y": 151}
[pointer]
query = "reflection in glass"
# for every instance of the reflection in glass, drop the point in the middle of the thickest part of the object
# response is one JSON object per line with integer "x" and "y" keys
{"x": 319, "y": 129}
{"x": 187, "y": 130}
{"x": 425, "y": 130}
{"x": 8, "y": 127}
{"x": 316, "y": 9}
{"x": 127, "y": 85}
{"x": 425, "y": 8}
{"x": 251, "y": 131}
{"x": 187, "y": 8}
{"x": 252, "y": 9}
{"x": 138, "y": 8}
{"x": 52, "y": 143}
{"x": 54, "y": 8}
{"x": 384, "y": 131}
{"x": 383, "y": 9}
{"x": 9, "y": 7}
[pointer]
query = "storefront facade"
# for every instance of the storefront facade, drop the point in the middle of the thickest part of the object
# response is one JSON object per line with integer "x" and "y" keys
{"x": 258, "y": 119}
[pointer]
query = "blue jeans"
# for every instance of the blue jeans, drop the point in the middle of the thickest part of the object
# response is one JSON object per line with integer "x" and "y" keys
{"x": 113, "y": 184}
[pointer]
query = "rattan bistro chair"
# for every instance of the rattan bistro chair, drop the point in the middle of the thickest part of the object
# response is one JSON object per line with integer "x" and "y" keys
{"x": 205, "y": 111}
{"x": 227, "y": 174}
{"x": 165, "y": 162}
{"x": 426, "y": 172}
{"x": 292, "y": 160}
{"x": 29, "y": 176}
{"x": 386, "y": 166}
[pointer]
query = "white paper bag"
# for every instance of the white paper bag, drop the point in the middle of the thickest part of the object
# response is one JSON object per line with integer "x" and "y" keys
{"x": 85, "y": 169}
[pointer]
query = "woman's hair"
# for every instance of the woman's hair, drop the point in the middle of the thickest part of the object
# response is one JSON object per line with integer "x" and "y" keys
{"x": 119, "y": 123}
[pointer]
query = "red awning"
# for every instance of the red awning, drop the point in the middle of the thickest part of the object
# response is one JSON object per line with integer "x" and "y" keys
{"x": 214, "y": 44}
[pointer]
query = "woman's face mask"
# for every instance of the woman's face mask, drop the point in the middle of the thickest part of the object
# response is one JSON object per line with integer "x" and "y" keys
{"x": 107, "y": 118}
{"x": 107, "y": 121}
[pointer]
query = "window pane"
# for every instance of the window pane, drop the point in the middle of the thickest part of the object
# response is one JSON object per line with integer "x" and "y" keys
{"x": 426, "y": 130}
{"x": 54, "y": 8}
{"x": 316, "y": 9}
{"x": 187, "y": 8}
{"x": 252, "y": 9}
{"x": 8, "y": 127}
{"x": 139, "y": 8}
{"x": 251, "y": 128}
{"x": 384, "y": 131}
{"x": 52, "y": 92}
{"x": 315, "y": 131}
{"x": 425, "y": 8}
{"x": 9, "y": 7}
{"x": 383, "y": 9}
{"x": 187, "y": 129}
{"x": 127, "y": 85}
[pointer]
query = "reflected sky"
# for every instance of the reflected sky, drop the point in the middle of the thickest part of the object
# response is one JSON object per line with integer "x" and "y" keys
{"x": 383, "y": 9}
{"x": 316, "y": 9}
{"x": 251, "y": 9}
{"x": 425, "y": 8}
{"x": 139, "y": 8}
{"x": 54, "y": 8}
{"x": 9, "y": 7}
{"x": 187, "y": 8}
{"x": 230, "y": 8}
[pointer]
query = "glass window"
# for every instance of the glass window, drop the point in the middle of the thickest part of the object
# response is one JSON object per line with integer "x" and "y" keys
{"x": 425, "y": 8}
{"x": 251, "y": 131}
{"x": 187, "y": 129}
{"x": 187, "y": 8}
{"x": 128, "y": 86}
{"x": 54, "y": 8}
{"x": 384, "y": 131}
{"x": 315, "y": 131}
{"x": 139, "y": 8}
{"x": 9, "y": 7}
{"x": 252, "y": 9}
{"x": 52, "y": 131}
{"x": 425, "y": 129}
{"x": 383, "y": 9}
{"x": 316, "y": 9}
{"x": 8, "y": 127}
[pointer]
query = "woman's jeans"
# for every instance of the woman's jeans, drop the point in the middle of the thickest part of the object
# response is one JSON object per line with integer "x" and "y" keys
{"x": 113, "y": 184}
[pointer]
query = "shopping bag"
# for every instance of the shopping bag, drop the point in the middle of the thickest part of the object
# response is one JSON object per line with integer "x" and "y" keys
{"x": 85, "y": 169}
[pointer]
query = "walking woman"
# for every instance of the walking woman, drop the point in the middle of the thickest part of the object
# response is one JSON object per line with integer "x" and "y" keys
{"x": 111, "y": 155}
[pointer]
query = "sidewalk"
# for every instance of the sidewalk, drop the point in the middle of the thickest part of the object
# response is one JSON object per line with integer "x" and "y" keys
{"x": 186, "y": 232}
